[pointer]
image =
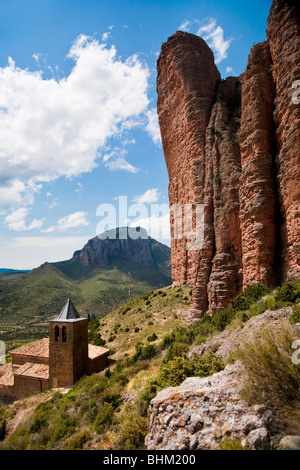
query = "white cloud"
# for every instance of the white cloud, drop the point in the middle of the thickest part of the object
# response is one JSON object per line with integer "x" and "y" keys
{"x": 77, "y": 219}
{"x": 31, "y": 252}
{"x": 16, "y": 221}
{"x": 120, "y": 164}
{"x": 51, "y": 128}
{"x": 153, "y": 125}
{"x": 157, "y": 226}
{"x": 185, "y": 26}
{"x": 150, "y": 196}
{"x": 229, "y": 69}
{"x": 45, "y": 242}
{"x": 214, "y": 36}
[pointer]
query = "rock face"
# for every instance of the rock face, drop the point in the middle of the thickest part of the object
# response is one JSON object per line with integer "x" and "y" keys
{"x": 202, "y": 412}
{"x": 232, "y": 154}
{"x": 100, "y": 250}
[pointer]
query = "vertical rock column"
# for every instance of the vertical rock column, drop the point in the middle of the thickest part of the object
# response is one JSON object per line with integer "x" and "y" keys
{"x": 283, "y": 34}
{"x": 257, "y": 184}
{"x": 223, "y": 169}
{"x": 186, "y": 86}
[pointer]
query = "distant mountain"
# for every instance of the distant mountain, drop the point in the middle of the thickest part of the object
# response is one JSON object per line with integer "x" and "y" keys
{"x": 103, "y": 275}
{"x": 10, "y": 273}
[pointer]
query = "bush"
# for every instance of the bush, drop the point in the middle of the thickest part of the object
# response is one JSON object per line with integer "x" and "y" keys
{"x": 288, "y": 292}
{"x": 143, "y": 352}
{"x": 104, "y": 417}
{"x": 77, "y": 441}
{"x": 231, "y": 444}
{"x": 133, "y": 431}
{"x": 250, "y": 294}
{"x": 153, "y": 337}
{"x": 295, "y": 317}
{"x": 174, "y": 372}
{"x": 222, "y": 318}
{"x": 271, "y": 375}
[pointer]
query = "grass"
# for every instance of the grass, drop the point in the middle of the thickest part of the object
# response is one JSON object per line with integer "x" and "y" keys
{"x": 94, "y": 290}
{"x": 109, "y": 410}
{"x": 271, "y": 377}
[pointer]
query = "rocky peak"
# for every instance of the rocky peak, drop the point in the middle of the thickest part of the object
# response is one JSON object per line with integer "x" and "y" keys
{"x": 233, "y": 147}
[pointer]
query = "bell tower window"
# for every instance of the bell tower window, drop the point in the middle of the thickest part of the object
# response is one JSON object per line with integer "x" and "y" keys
{"x": 64, "y": 334}
{"x": 56, "y": 333}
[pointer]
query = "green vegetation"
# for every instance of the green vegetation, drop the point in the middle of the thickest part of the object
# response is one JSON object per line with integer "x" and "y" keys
{"x": 150, "y": 343}
{"x": 94, "y": 290}
{"x": 271, "y": 375}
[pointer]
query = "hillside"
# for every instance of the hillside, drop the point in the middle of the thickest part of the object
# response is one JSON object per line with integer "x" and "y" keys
{"x": 96, "y": 288}
{"x": 110, "y": 410}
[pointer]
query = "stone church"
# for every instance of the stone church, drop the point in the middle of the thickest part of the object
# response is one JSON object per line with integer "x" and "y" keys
{"x": 55, "y": 362}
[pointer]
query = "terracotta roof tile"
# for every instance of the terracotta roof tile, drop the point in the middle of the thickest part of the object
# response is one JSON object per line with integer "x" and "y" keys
{"x": 95, "y": 351}
{"x": 36, "y": 348}
{"x": 6, "y": 375}
{"x": 30, "y": 369}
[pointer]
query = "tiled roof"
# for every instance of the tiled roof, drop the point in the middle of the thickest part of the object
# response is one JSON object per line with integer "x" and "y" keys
{"x": 29, "y": 369}
{"x": 6, "y": 375}
{"x": 36, "y": 348}
{"x": 40, "y": 348}
{"x": 96, "y": 351}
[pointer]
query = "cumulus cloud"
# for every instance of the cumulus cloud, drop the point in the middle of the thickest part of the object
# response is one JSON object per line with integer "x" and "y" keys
{"x": 149, "y": 197}
{"x": 16, "y": 221}
{"x": 59, "y": 127}
{"x": 77, "y": 219}
{"x": 214, "y": 36}
{"x": 185, "y": 26}
{"x": 152, "y": 126}
{"x": 157, "y": 226}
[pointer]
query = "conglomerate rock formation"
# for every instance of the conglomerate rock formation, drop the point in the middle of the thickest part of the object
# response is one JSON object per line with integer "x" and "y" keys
{"x": 232, "y": 153}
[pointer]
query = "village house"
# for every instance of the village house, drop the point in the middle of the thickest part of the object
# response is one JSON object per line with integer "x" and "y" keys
{"x": 57, "y": 361}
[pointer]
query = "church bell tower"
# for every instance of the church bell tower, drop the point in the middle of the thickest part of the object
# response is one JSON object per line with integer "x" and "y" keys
{"x": 68, "y": 347}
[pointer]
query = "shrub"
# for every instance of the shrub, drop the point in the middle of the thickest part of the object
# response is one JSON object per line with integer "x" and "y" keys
{"x": 252, "y": 293}
{"x": 152, "y": 337}
{"x": 77, "y": 441}
{"x": 104, "y": 417}
{"x": 295, "y": 317}
{"x": 221, "y": 318}
{"x": 271, "y": 375}
{"x": 174, "y": 372}
{"x": 133, "y": 431}
{"x": 231, "y": 444}
{"x": 288, "y": 292}
{"x": 143, "y": 352}
{"x": 176, "y": 349}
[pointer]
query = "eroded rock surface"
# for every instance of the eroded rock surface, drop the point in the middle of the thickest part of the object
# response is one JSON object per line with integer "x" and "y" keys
{"x": 232, "y": 146}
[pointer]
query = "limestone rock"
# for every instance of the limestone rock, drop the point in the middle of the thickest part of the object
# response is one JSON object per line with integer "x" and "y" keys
{"x": 289, "y": 443}
{"x": 202, "y": 412}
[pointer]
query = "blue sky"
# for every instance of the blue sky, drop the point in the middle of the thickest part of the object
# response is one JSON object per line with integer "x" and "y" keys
{"x": 78, "y": 113}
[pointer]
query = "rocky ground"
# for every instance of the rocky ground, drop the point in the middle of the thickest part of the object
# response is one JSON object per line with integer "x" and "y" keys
{"x": 202, "y": 412}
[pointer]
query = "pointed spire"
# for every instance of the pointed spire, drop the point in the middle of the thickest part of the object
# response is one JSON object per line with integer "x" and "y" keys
{"x": 68, "y": 312}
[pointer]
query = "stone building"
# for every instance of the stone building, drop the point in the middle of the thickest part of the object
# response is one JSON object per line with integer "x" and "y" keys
{"x": 55, "y": 362}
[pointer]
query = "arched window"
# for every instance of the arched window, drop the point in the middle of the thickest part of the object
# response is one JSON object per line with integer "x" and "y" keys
{"x": 64, "y": 334}
{"x": 56, "y": 333}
